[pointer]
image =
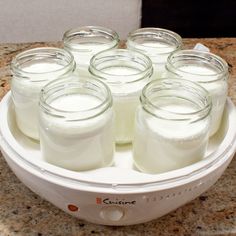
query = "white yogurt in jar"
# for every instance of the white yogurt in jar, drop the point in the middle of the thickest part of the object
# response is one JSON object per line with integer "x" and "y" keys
{"x": 25, "y": 97}
{"x": 42, "y": 67}
{"x": 83, "y": 58}
{"x": 124, "y": 106}
{"x": 78, "y": 139}
{"x": 85, "y": 42}
{"x": 167, "y": 135}
{"x": 210, "y": 74}
{"x": 160, "y": 146}
{"x": 158, "y": 53}
{"x": 31, "y": 70}
{"x": 218, "y": 91}
{"x": 157, "y": 44}
{"x": 126, "y": 78}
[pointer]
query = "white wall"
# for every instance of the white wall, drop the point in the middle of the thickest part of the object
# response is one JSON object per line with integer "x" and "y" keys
{"x": 46, "y": 20}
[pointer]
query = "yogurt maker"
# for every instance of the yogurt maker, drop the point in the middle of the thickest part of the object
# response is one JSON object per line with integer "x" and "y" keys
{"x": 120, "y": 194}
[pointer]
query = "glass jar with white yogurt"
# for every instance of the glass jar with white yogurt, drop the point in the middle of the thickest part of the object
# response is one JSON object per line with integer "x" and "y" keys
{"x": 171, "y": 125}
{"x": 76, "y": 124}
{"x": 85, "y": 42}
{"x": 31, "y": 70}
{"x": 207, "y": 69}
{"x": 126, "y": 72}
{"x": 156, "y": 43}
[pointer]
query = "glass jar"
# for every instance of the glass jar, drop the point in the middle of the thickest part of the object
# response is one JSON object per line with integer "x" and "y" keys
{"x": 126, "y": 72}
{"x": 31, "y": 70}
{"x": 156, "y": 43}
{"x": 84, "y": 42}
{"x": 76, "y": 124}
{"x": 207, "y": 69}
{"x": 171, "y": 126}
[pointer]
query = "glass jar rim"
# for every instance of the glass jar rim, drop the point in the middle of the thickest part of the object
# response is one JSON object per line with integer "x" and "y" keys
{"x": 156, "y": 32}
{"x": 199, "y": 55}
{"x": 86, "y": 31}
{"x": 123, "y": 54}
{"x": 46, "y": 52}
{"x": 161, "y": 113}
{"x": 65, "y": 83}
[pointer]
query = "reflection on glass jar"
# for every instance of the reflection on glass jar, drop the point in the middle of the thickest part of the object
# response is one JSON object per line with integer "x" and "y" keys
{"x": 126, "y": 72}
{"x": 156, "y": 43}
{"x": 76, "y": 124}
{"x": 171, "y": 125}
{"x": 31, "y": 70}
{"x": 207, "y": 69}
{"x": 85, "y": 42}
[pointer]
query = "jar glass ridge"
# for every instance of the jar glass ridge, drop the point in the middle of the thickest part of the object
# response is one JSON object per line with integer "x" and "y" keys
{"x": 63, "y": 87}
{"x": 43, "y": 54}
{"x": 174, "y": 88}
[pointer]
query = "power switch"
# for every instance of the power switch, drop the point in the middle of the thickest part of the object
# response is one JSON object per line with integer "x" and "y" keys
{"x": 112, "y": 213}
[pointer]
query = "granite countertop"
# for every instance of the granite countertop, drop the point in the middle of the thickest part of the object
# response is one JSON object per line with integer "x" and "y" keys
{"x": 24, "y": 213}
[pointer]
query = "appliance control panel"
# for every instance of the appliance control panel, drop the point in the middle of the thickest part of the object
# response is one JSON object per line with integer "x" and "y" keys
{"x": 123, "y": 209}
{"x": 111, "y": 209}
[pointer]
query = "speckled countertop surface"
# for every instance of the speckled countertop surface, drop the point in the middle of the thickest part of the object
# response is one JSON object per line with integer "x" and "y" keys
{"x": 24, "y": 213}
